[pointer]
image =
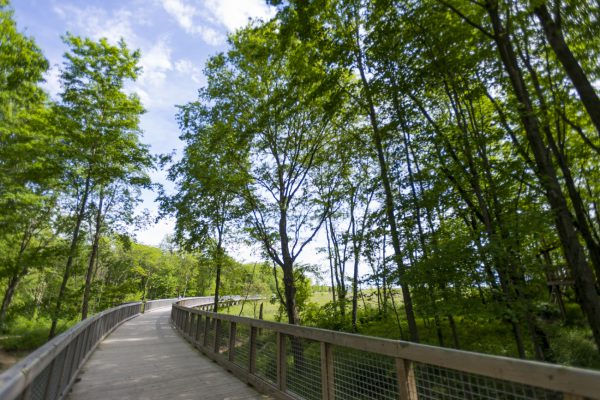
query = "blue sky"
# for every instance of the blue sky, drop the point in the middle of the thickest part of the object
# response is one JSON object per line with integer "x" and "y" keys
{"x": 175, "y": 37}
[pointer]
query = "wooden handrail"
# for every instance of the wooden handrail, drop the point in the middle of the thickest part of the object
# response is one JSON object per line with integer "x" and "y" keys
{"x": 573, "y": 383}
{"x": 49, "y": 371}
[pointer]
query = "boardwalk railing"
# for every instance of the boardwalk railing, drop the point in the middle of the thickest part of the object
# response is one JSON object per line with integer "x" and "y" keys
{"x": 50, "y": 371}
{"x": 294, "y": 362}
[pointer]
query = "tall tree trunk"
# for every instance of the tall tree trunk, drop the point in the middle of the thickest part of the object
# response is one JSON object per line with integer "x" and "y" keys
{"x": 330, "y": 256}
{"x": 555, "y": 37}
{"x": 584, "y": 279}
{"x": 389, "y": 196}
{"x": 72, "y": 251}
{"x": 339, "y": 268}
{"x": 219, "y": 265}
{"x": 93, "y": 258}
{"x": 356, "y": 252}
{"x": 289, "y": 283}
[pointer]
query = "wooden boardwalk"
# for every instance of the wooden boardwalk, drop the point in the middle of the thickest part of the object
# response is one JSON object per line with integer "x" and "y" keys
{"x": 146, "y": 359}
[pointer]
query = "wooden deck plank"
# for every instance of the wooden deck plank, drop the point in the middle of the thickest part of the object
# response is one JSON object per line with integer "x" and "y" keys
{"x": 145, "y": 359}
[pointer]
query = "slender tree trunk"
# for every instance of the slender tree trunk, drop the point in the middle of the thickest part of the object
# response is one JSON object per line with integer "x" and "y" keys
{"x": 72, "y": 251}
{"x": 330, "y": 256}
{"x": 585, "y": 284}
{"x": 219, "y": 265}
{"x": 454, "y": 331}
{"x": 19, "y": 272}
{"x": 578, "y": 77}
{"x": 93, "y": 258}
{"x": 389, "y": 200}
{"x": 289, "y": 283}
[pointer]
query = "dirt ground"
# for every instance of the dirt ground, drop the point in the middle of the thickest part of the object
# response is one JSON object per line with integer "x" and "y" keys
{"x": 9, "y": 358}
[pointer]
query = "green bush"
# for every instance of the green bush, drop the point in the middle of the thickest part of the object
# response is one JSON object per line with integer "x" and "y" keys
{"x": 29, "y": 334}
{"x": 575, "y": 346}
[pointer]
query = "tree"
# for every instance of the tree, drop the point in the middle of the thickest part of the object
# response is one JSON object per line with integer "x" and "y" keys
{"x": 205, "y": 204}
{"x": 29, "y": 163}
{"x": 101, "y": 130}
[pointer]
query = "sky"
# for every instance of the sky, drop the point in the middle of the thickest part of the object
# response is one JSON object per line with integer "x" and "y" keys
{"x": 175, "y": 37}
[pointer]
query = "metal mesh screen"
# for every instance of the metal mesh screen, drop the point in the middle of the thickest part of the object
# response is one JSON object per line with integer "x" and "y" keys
{"x": 303, "y": 364}
{"x": 266, "y": 355}
{"x": 38, "y": 387}
{"x": 57, "y": 369}
{"x": 242, "y": 346}
{"x": 439, "y": 383}
{"x": 200, "y": 329}
{"x": 362, "y": 375}
{"x": 210, "y": 332}
{"x": 223, "y": 339}
{"x": 186, "y": 322}
{"x": 192, "y": 328}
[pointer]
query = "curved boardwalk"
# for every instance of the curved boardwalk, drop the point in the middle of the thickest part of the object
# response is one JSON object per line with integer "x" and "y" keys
{"x": 146, "y": 359}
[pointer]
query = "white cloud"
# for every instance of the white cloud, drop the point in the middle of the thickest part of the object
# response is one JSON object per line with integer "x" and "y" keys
{"x": 158, "y": 57}
{"x": 182, "y": 12}
{"x": 186, "y": 67}
{"x": 234, "y": 14}
{"x": 210, "y": 35}
{"x": 52, "y": 83}
{"x": 98, "y": 23}
{"x": 216, "y": 15}
{"x": 156, "y": 65}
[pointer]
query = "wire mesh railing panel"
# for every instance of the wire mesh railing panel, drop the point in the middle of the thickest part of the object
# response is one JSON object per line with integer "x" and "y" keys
{"x": 38, "y": 386}
{"x": 303, "y": 368}
{"x": 223, "y": 339}
{"x": 200, "y": 328}
{"x": 363, "y": 375}
{"x": 241, "y": 352}
{"x": 266, "y": 355}
{"x": 57, "y": 369}
{"x": 209, "y": 327}
{"x": 439, "y": 383}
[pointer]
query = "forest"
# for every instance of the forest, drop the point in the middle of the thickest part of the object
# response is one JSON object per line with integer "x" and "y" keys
{"x": 447, "y": 147}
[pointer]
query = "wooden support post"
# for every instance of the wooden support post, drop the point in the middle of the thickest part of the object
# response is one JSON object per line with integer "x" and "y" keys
{"x": 281, "y": 362}
{"x": 232, "y": 333}
{"x": 217, "y": 340}
{"x": 407, "y": 385}
{"x": 252, "y": 355}
{"x": 327, "y": 372}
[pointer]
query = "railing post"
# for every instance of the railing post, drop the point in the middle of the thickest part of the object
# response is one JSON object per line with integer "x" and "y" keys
{"x": 232, "y": 333}
{"x": 252, "y": 355}
{"x": 407, "y": 385}
{"x": 281, "y": 362}
{"x": 327, "y": 372}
